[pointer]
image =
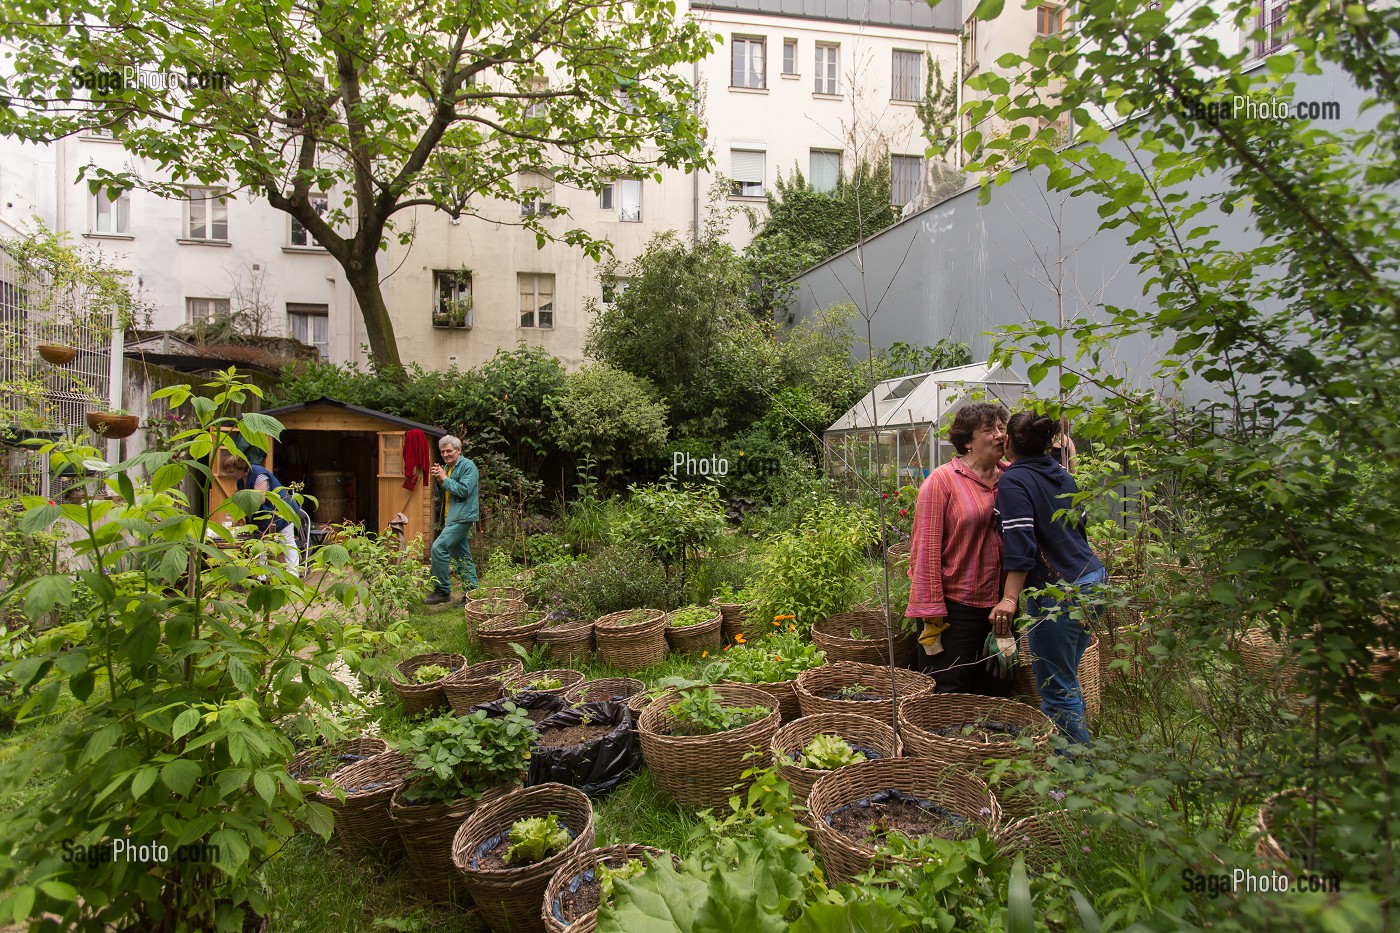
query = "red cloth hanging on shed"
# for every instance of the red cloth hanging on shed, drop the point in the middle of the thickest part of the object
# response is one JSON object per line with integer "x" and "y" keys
{"x": 417, "y": 457}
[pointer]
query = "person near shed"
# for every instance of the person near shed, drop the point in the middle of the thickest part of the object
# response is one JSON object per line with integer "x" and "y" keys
{"x": 457, "y": 477}
{"x": 955, "y": 556}
{"x": 1045, "y": 545}
{"x": 268, "y": 521}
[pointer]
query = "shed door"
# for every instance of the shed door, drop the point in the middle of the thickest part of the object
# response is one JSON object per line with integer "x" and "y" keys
{"x": 415, "y": 503}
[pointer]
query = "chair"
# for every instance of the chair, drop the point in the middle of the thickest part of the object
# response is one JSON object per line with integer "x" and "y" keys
{"x": 304, "y": 535}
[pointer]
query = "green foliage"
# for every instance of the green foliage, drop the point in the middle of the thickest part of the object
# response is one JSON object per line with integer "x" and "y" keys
{"x": 701, "y": 711}
{"x": 551, "y": 682}
{"x": 827, "y": 752}
{"x": 455, "y": 757}
{"x": 393, "y": 579}
{"x": 666, "y": 520}
{"x": 607, "y": 876}
{"x": 781, "y": 656}
{"x": 608, "y": 416}
{"x": 691, "y": 615}
{"x": 613, "y": 579}
{"x": 903, "y": 359}
{"x": 429, "y": 673}
{"x": 810, "y": 571}
{"x": 535, "y": 838}
{"x": 184, "y": 657}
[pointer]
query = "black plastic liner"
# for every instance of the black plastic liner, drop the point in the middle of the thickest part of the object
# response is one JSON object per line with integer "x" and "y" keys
{"x": 886, "y": 796}
{"x": 594, "y": 767}
{"x": 527, "y": 702}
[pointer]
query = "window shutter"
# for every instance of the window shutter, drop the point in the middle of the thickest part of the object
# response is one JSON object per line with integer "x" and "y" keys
{"x": 747, "y": 165}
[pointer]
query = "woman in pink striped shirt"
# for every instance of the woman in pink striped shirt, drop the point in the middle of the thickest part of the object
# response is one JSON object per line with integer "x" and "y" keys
{"x": 955, "y": 559}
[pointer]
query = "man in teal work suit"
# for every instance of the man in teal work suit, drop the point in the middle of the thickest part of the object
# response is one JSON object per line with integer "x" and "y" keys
{"x": 458, "y": 478}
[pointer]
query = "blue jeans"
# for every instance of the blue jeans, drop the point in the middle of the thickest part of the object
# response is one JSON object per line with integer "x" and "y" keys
{"x": 1057, "y": 643}
{"x": 452, "y": 551}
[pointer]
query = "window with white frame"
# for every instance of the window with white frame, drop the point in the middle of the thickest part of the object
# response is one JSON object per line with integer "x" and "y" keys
{"x": 907, "y": 75}
{"x": 1272, "y": 17}
{"x": 311, "y": 325}
{"x": 538, "y": 85}
{"x": 206, "y": 214}
{"x": 629, "y": 200}
{"x": 969, "y": 38}
{"x": 537, "y": 194}
{"x": 906, "y": 178}
{"x": 789, "y": 56}
{"x": 748, "y": 68}
{"x": 109, "y": 216}
{"x": 452, "y": 299}
{"x": 613, "y": 287}
{"x": 536, "y": 300}
{"x": 746, "y": 173}
{"x": 201, "y": 310}
{"x": 826, "y": 169}
{"x": 297, "y": 235}
{"x": 828, "y": 54}
{"x": 1049, "y": 19}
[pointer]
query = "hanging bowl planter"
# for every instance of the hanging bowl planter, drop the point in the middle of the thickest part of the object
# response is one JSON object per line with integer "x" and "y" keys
{"x": 111, "y": 425}
{"x": 57, "y": 353}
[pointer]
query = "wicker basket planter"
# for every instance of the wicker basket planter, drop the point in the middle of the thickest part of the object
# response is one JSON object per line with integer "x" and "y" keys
{"x": 862, "y": 733}
{"x": 627, "y": 690}
{"x": 362, "y": 822}
{"x": 569, "y": 642}
{"x": 950, "y": 788}
{"x": 921, "y": 718}
{"x": 520, "y": 682}
{"x": 1268, "y": 660}
{"x": 898, "y": 554}
{"x": 815, "y": 686}
{"x": 480, "y": 611}
{"x": 630, "y": 646}
{"x": 514, "y": 628}
{"x": 695, "y": 638}
{"x": 495, "y": 592}
{"x": 319, "y": 765}
{"x": 702, "y": 770}
{"x": 1088, "y": 677}
{"x": 733, "y": 618}
{"x": 509, "y": 898}
{"x": 419, "y": 698}
{"x": 479, "y": 683}
{"x": 556, "y": 915}
{"x": 833, "y": 635}
{"x": 785, "y": 692}
{"x": 426, "y": 831}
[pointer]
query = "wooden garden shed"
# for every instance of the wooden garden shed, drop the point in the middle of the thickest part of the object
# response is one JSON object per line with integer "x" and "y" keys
{"x": 351, "y": 459}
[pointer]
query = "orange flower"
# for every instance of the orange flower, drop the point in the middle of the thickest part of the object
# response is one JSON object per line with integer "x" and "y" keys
{"x": 739, "y": 638}
{"x": 792, "y": 628}
{"x": 776, "y": 623}
{"x": 781, "y": 618}
{"x": 704, "y": 654}
{"x": 727, "y": 647}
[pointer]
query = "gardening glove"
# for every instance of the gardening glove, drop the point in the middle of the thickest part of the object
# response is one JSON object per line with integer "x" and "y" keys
{"x": 932, "y": 635}
{"x": 1001, "y": 656}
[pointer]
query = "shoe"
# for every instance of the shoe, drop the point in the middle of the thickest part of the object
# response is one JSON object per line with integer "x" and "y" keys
{"x": 437, "y": 598}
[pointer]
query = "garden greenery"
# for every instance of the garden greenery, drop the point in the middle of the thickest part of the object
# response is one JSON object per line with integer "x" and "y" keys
{"x": 535, "y": 838}
{"x": 810, "y": 572}
{"x": 464, "y": 756}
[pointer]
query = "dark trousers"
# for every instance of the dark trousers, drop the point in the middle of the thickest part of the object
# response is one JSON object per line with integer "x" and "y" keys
{"x": 960, "y": 668}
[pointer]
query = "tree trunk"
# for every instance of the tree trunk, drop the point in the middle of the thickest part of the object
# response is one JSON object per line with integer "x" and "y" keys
{"x": 383, "y": 348}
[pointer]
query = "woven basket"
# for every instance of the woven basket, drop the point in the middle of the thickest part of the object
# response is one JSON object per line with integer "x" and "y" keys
{"x": 579, "y": 868}
{"x": 785, "y": 692}
{"x": 928, "y": 780}
{"x": 1268, "y": 660}
{"x": 496, "y": 636}
{"x": 304, "y": 766}
{"x": 695, "y": 638}
{"x": 733, "y": 618}
{"x": 520, "y": 682}
{"x": 426, "y": 832}
{"x": 1267, "y": 847}
{"x": 833, "y": 635}
{"x": 495, "y": 592}
{"x": 607, "y": 689}
{"x": 419, "y": 698}
{"x": 1123, "y": 634}
{"x": 813, "y": 685}
{"x": 631, "y": 647}
{"x": 479, "y": 683}
{"x": 362, "y": 821}
{"x": 897, "y": 554}
{"x": 1089, "y": 682}
{"x": 702, "y": 770}
{"x": 1041, "y": 836}
{"x": 919, "y": 716}
{"x": 570, "y": 643}
{"x": 789, "y": 741}
{"x": 509, "y": 899}
{"x": 480, "y": 611}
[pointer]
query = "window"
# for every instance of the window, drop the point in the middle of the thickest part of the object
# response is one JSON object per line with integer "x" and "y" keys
{"x": 826, "y": 169}
{"x": 207, "y": 214}
{"x": 537, "y": 86}
{"x": 746, "y": 173}
{"x": 907, "y": 81}
{"x": 1049, "y": 20}
{"x": 826, "y": 68}
{"x": 536, "y": 300}
{"x": 613, "y": 287}
{"x": 970, "y": 46}
{"x": 537, "y": 194}
{"x": 629, "y": 199}
{"x": 747, "y": 61}
{"x": 310, "y": 324}
{"x": 1271, "y": 21}
{"x": 906, "y": 178}
{"x": 298, "y": 235}
{"x": 200, "y": 310}
{"x": 452, "y": 299}
{"x": 110, "y": 216}
{"x": 789, "y": 56}
{"x": 608, "y": 196}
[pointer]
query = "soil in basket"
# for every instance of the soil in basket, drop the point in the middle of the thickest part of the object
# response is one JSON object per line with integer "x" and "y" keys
{"x": 855, "y": 697}
{"x": 903, "y": 815}
{"x": 577, "y": 903}
{"x": 494, "y": 858}
{"x": 571, "y": 735}
{"x": 982, "y": 732}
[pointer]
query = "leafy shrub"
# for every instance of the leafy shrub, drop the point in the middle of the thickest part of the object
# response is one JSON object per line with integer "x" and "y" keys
{"x": 811, "y": 571}
{"x": 609, "y": 416}
{"x": 665, "y": 520}
{"x": 828, "y": 752}
{"x": 691, "y": 615}
{"x": 700, "y": 711}
{"x": 535, "y": 838}
{"x": 455, "y": 757}
{"x": 614, "y": 579}
{"x": 429, "y": 673}
{"x": 781, "y": 656}
{"x": 393, "y": 579}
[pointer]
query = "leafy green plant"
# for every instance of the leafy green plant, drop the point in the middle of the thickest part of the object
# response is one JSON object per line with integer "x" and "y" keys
{"x": 429, "y": 673}
{"x": 551, "y": 682}
{"x": 608, "y": 875}
{"x": 854, "y": 691}
{"x": 611, "y": 580}
{"x": 781, "y": 656}
{"x": 700, "y": 711}
{"x": 609, "y": 417}
{"x": 535, "y": 838}
{"x": 667, "y": 521}
{"x": 393, "y": 579}
{"x": 456, "y": 757}
{"x": 827, "y": 752}
{"x": 634, "y": 617}
{"x": 691, "y": 615}
{"x": 811, "y": 572}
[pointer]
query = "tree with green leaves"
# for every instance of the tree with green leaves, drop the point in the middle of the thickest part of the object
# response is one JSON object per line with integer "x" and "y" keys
{"x": 386, "y": 106}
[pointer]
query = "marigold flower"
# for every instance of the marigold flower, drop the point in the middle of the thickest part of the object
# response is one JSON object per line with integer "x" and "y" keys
{"x": 776, "y": 623}
{"x": 792, "y": 628}
{"x": 727, "y": 647}
{"x": 704, "y": 654}
{"x": 739, "y": 638}
{"x": 780, "y": 618}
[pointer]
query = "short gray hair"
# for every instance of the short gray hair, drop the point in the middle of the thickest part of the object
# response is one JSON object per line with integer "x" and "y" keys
{"x": 448, "y": 440}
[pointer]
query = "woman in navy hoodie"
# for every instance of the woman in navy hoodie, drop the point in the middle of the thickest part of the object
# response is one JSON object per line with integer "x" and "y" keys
{"x": 1044, "y": 544}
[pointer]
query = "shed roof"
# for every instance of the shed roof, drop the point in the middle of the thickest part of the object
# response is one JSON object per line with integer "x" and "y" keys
{"x": 346, "y": 406}
{"x": 926, "y": 397}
